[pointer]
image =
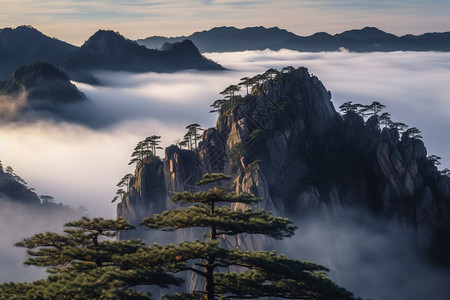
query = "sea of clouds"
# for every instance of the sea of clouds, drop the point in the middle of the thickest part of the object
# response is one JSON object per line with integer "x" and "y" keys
{"x": 80, "y": 164}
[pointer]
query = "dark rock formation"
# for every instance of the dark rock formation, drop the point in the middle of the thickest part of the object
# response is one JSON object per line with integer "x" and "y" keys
{"x": 287, "y": 144}
{"x": 13, "y": 190}
{"x": 39, "y": 87}
{"x": 24, "y": 45}
{"x": 105, "y": 50}
{"x": 368, "y": 39}
{"x": 108, "y": 50}
{"x": 42, "y": 81}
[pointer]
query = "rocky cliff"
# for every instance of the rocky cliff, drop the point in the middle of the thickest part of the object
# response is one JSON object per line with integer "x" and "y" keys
{"x": 286, "y": 143}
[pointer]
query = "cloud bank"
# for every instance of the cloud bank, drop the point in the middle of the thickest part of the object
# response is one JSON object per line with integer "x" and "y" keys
{"x": 19, "y": 222}
{"x": 372, "y": 258}
{"x": 80, "y": 165}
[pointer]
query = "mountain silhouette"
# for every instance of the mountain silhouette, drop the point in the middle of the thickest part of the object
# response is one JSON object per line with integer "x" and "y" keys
{"x": 110, "y": 51}
{"x": 24, "y": 45}
{"x": 367, "y": 39}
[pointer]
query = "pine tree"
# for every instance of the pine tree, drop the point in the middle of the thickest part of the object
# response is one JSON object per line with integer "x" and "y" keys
{"x": 145, "y": 149}
{"x": 85, "y": 264}
{"x": 265, "y": 274}
{"x": 194, "y": 133}
{"x": 124, "y": 182}
{"x": 230, "y": 91}
{"x": 246, "y": 81}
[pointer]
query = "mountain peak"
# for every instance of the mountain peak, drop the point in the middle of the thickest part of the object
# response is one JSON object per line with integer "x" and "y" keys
{"x": 42, "y": 81}
{"x": 104, "y": 36}
{"x": 25, "y": 44}
{"x": 366, "y": 33}
{"x": 109, "y": 50}
{"x": 37, "y": 69}
{"x": 102, "y": 33}
{"x": 27, "y": 28}
{"x": 24, "y": 32}
{"x": 109, "y": 43}
{"x": 185, "y": 46}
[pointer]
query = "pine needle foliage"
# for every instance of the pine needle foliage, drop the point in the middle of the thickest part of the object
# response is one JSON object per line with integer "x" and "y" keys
{"x": 262, "y": 274}
{"x": 85, "y": 263}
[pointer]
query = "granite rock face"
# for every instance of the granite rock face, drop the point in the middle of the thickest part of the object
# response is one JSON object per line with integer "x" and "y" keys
{"x": 286, "y": 143}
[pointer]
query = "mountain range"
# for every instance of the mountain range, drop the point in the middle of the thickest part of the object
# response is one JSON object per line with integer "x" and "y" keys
{"x": 108, "y": 50}
{"x": 24, "y": 45}
{"x": 105, "y": 50}
{"x": 368, "y": 39}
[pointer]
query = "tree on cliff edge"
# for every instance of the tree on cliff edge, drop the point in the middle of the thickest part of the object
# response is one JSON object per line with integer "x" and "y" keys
{"x": 262, "y": 274}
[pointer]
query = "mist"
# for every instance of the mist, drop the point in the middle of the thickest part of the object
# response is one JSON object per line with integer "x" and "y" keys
{"x": 10, "y": 105}
{"x": 79, "y": 163}
{"x": 370, "y": 256}
{"x": 19, "y": 222}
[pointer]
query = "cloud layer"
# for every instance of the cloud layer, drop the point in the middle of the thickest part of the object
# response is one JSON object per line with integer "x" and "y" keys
{"x": 80, "y": 165}
{"x": 19, "y": 222}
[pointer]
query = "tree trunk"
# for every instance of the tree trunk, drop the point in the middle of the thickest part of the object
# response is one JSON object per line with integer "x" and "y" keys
{"x": 209, "y": 280}
{"x": 209, "y": 269}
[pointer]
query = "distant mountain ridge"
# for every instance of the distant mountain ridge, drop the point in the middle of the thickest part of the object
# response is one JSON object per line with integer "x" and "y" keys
{"x": 108, "y": 50}
{"x": 24, "y": 45}
{"x": 367, "y": 39}
{"x": 105, "y": 50}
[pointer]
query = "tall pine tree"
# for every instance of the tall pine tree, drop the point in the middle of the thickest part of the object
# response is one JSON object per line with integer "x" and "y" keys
{"x": 262, "y": 274}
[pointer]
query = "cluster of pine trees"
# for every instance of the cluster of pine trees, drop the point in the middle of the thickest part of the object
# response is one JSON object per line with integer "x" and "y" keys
{"x": 374, "y": 110}
{"x": 87, "y": 263}
{"x": 231, "y": 98}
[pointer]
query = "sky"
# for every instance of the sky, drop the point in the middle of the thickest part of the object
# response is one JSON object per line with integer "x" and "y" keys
{"x": 75, "y": 21}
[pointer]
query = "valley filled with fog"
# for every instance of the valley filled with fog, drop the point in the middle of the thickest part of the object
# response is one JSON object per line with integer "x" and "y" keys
{"x": 80, "y": 164}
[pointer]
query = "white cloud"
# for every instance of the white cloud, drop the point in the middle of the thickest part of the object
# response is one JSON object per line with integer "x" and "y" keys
{"x": 80, "y": 166}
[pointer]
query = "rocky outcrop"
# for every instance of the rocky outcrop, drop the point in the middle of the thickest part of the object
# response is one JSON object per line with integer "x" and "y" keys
{"x": 286, "y": 143}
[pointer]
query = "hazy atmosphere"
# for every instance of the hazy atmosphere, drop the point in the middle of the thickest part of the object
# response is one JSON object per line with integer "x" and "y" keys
{"x": 74, "y": 21}
{"x": 370, "y": 206}
{"x": 80, "y": 166}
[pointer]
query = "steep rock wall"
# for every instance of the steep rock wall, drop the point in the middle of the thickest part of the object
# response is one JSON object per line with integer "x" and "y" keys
{"x": 286, "y": 143}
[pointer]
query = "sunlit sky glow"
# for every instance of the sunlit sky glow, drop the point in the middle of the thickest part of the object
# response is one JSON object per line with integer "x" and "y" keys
{"x": 75, "y": 20}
